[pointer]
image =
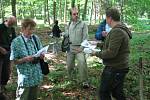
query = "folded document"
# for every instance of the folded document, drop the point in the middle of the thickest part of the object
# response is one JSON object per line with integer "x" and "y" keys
{"x": 41, "y": 51}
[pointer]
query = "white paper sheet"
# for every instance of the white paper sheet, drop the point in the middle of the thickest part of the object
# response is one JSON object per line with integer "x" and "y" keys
{"x": 41, "y": 51}
{"x": 89, "y": 48}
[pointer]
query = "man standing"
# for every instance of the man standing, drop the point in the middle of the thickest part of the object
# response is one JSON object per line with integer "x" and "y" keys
{"x": 78, "y": 32}
{"x": 115, "y": 55}
{"x": 7, "y": 33}
{"x": 56, "y": 35}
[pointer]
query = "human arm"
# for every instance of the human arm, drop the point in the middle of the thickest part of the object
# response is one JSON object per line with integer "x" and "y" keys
{"x": 3, "y": 50}
{"x": 114, "y": 44}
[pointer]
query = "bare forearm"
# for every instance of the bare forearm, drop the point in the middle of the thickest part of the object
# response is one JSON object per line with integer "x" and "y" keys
{"x": 20, "y": 61}
{"x": 24, "y": 60}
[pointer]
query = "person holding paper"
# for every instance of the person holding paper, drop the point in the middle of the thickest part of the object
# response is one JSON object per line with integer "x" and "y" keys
{"x": 115, "y": 55}
{"x": 78, "y": 32}
{"x": 102, "y": 31}
{"x": 29, "y": 71}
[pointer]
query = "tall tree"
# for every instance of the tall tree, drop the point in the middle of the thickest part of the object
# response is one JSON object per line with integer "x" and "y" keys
{"x": 54, "y": 10}
{"x": 13, "y": 4}
{"x": 60, "y": 9}
{"x": 65, "y": 10}
{"x": 84, "y": 11}
{"x": 2, "y": 10}
{"x": 91, "y": 13}
{"x": 45, "y": 9}
{"x": 72, "y": 3}
{"x": 48, "y": 17}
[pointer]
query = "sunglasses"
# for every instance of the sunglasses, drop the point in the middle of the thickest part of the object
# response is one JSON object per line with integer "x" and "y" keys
{"x": 75, "y": 14}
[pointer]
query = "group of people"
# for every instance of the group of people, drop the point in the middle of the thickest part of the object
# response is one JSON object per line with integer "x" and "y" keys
{"x": 20, "y": 50}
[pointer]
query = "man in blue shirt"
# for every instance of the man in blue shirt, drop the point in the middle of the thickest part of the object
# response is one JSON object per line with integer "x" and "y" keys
{"x": 102, "y": 31}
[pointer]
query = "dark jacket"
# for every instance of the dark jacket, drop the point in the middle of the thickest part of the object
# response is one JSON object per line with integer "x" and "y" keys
{"x": 100, "y": 29}
{"x": 116, "y": 48}
{"x": 7, "y": 34}
{"x": 56, "y": 31}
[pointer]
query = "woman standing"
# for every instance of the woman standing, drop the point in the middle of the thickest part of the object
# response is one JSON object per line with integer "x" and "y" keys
{"x": 28, "y": 67}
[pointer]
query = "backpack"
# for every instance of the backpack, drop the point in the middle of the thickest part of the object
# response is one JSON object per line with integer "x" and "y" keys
{"x": 65, "y": 46}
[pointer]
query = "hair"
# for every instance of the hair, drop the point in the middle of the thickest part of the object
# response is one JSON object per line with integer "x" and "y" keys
{"x": 12, "y": 18}
{"x": 56, "y": 22}
{"x": 113, "y": 13}
{"x": 74, "y": 8}
{"x": 28, "y": 23}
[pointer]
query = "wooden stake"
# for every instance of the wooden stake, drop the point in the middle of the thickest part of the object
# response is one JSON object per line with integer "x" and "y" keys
{"x": 141, "y": 79}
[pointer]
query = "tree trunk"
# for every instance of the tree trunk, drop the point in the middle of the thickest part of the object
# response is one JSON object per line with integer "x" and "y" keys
{"x": 121, "y": 3}
{"x": 2, "y": 10}
{"x": 73, "y": 3}
{"x": 141, "y": 79}
{"x": 45, "y": 5}
{"x": 32, "y": 11}
{"x": 48, "y": 17}
{"x": 65, "y": 7}
{"x": 54, "y": 10}
{"x": 95, "y": 9}
{"x": 60, "y": 9}
{"x": 13, "y": 4}
{"x": 91, "y": 13}
{"x": 84, "y": 12}
{"x": 79, "y": 9}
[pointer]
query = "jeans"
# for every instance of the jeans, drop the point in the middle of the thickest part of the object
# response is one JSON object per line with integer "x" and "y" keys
{"x": 112, "y": 84}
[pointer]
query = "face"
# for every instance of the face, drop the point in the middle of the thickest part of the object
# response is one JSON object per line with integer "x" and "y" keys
{"x": 74, "y": 14}
{"x": 29, "y": 30}
{"x": 108, "y": 21}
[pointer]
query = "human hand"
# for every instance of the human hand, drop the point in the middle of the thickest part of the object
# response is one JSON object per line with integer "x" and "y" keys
{"x": 93, "y": 53}
{"x": 104, "y": 33}
{"x": 78, "y": 49}
{"x": 42, "y": 56}
{"x": 3, "y": 51}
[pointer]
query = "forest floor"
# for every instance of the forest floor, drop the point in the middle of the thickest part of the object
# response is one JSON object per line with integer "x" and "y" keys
{"x": 56, "y": 85}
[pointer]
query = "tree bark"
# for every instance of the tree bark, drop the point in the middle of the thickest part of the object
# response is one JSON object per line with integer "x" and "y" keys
{"x": 84, "y": 12}
{"x": 13, "y": 4}
{"x": 65, "y": 7}
{"x": 54, "y": 10}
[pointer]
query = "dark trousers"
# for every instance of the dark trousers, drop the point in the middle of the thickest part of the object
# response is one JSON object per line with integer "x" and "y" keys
{"x": 112, "y": 84}
{"x": 4, "y": 69}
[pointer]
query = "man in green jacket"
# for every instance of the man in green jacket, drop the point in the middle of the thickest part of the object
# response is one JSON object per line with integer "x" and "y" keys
{"x": 115, "y": 55}
{"x": 78, "y": 32}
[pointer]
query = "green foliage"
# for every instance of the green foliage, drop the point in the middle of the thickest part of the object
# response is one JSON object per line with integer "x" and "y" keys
{"x": 139, "y": 48}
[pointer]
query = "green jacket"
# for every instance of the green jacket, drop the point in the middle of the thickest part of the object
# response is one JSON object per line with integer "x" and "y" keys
{"x": 116, "y": 48}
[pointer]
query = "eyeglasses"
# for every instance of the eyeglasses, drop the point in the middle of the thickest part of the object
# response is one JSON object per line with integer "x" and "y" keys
{"x": 75, "y": 14}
